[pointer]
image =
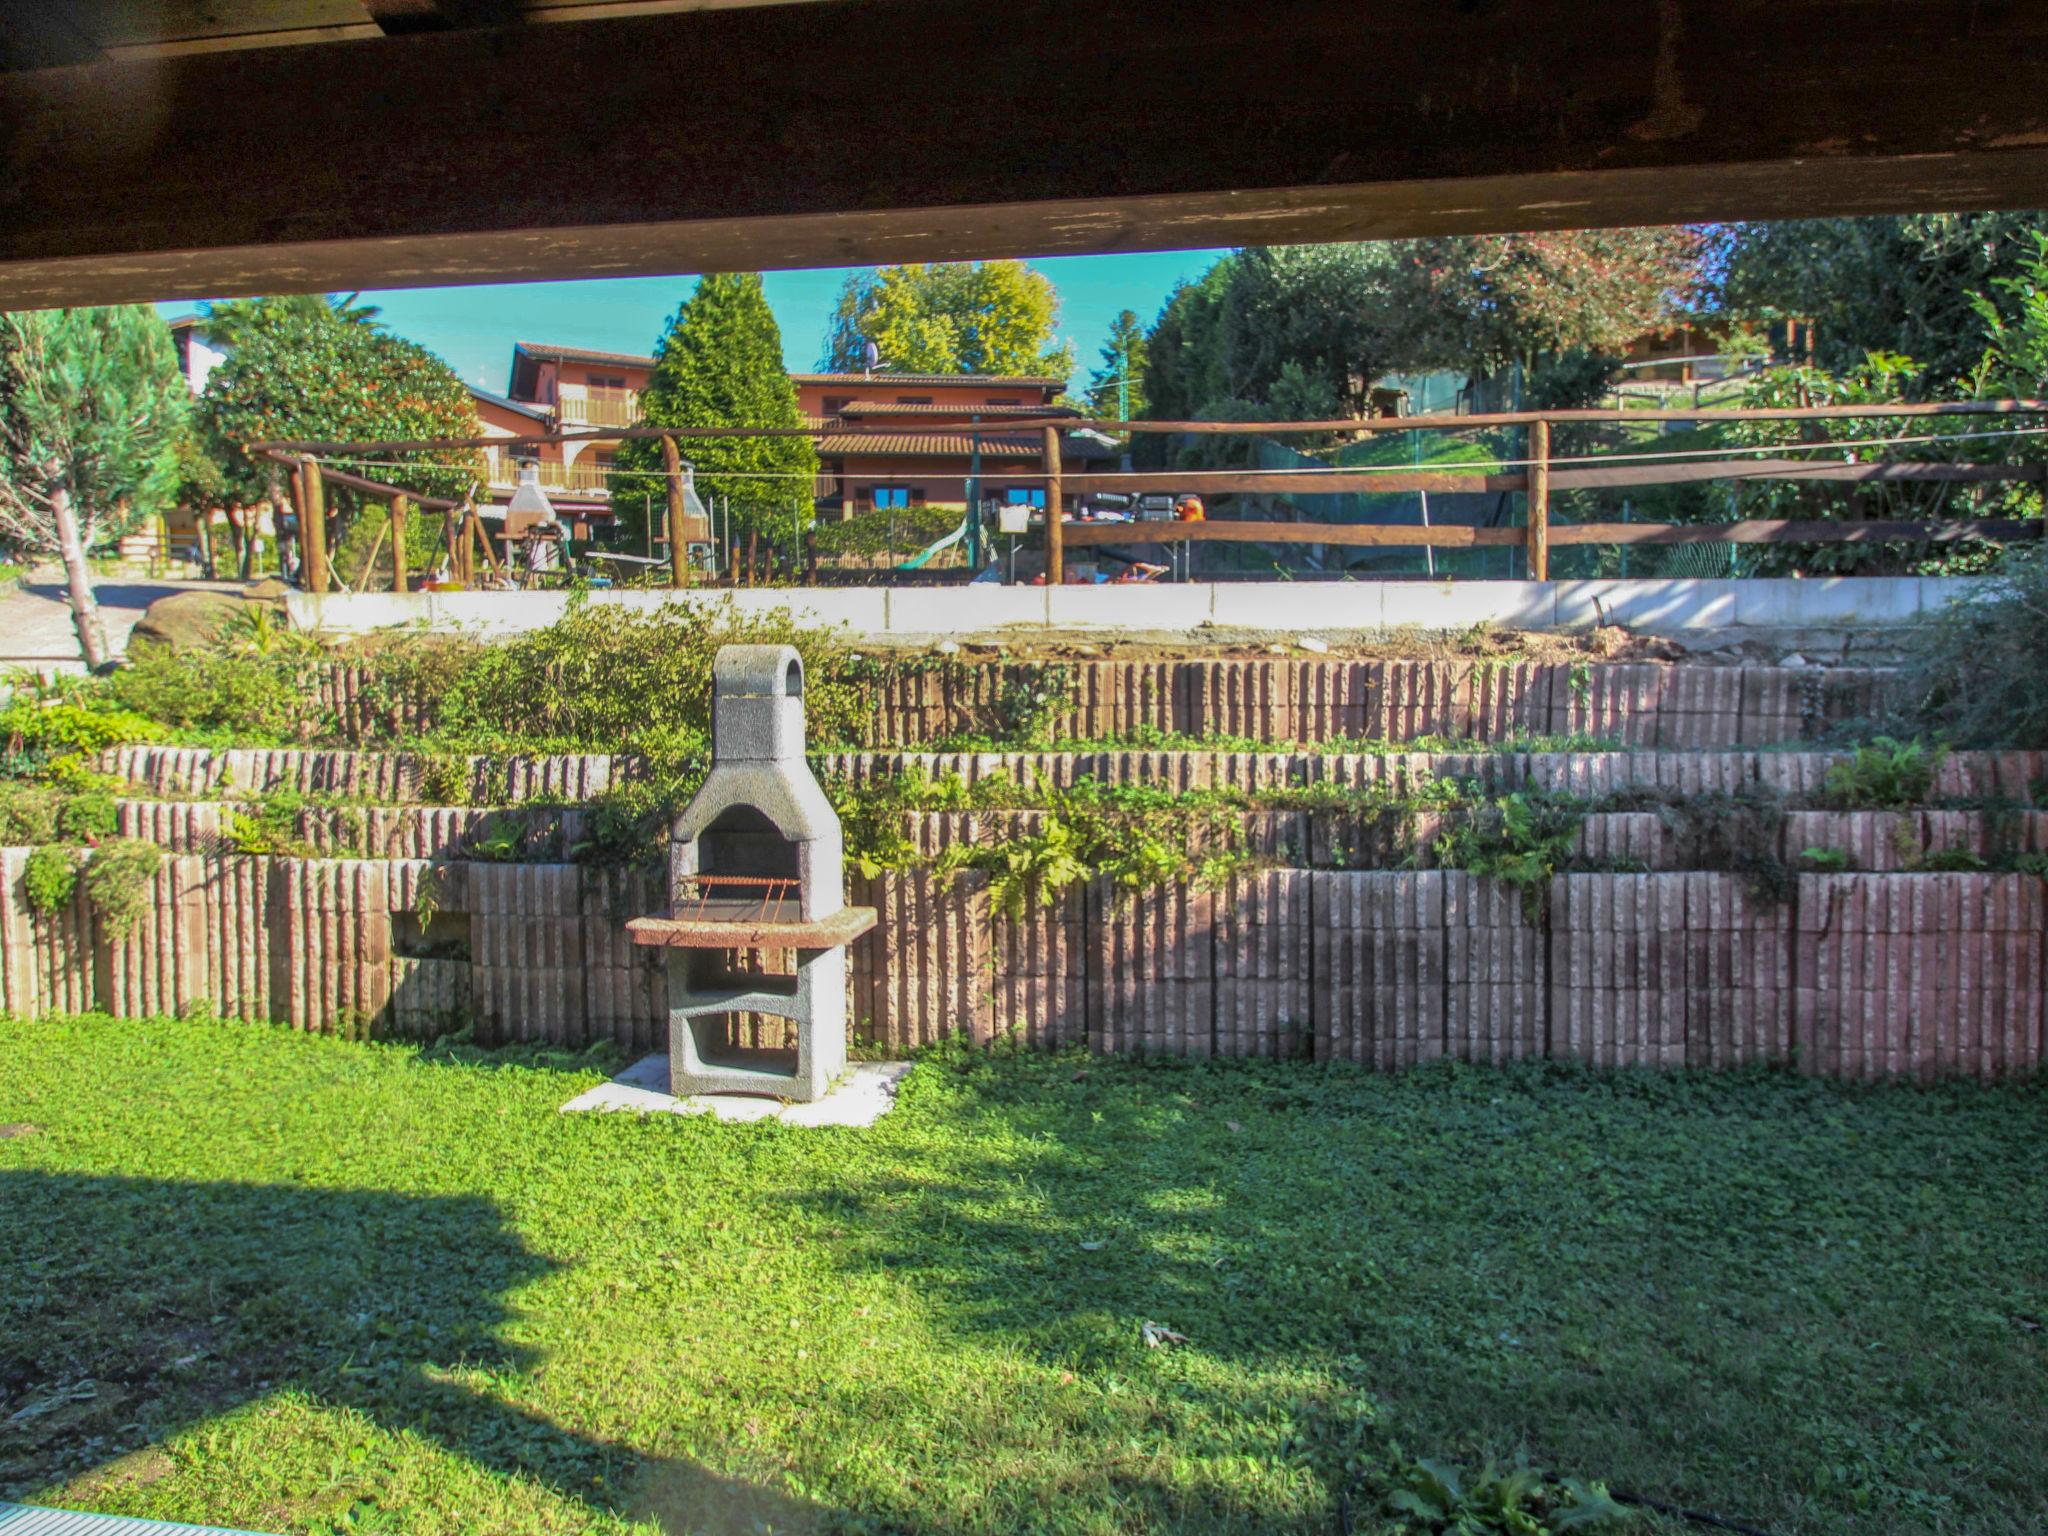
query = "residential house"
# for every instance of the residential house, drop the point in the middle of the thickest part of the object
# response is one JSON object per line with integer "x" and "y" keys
{"x": 941, "y": 424}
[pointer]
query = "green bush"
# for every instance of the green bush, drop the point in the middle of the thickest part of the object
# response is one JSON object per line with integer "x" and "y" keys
{"x": 1972, "y": 674}
{"x": 610, "y": 679}
{"x": 77, "y": 718}
{"x": 28, "y": 813}
{"x": 49, "y": 878}
{"x": 229, "y": 693}
{"x": 1886, "y": 775}
{"x": 117, "y": 881}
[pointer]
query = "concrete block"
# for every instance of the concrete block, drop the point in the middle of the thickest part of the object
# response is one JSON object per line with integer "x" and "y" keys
{"x": 962, "y": 610}
{"x": 1658, "y": 607}
{"x": 1823, "y": 600}
{"x": 1181, "y": 605}
{"x": 858, "y": 1100}
{"x": 1299, "y": 605}
{"x": 1461, "y": 604}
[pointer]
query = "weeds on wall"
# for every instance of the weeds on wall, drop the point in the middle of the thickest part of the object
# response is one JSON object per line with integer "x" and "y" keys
{"x": 1521, "y": 840}
{"x": 1886, "y": 775}
{"x": 117, "y": 881}
{"x": 50, "y": 879}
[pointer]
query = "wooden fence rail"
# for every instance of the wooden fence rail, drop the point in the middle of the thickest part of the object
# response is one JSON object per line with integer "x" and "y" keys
{"x": 1536, "y": 477}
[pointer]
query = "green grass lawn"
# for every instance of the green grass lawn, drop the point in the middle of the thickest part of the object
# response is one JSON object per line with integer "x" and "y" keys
{"x": 283, "y": 1282}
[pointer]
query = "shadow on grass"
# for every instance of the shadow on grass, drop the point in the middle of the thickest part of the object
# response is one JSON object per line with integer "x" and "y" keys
{"x": 132, "y": 1309}
{"x": 1754, "y": 1293}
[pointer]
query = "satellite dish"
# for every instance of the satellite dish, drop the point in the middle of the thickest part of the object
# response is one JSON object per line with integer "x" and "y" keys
{"x": 871, "y": 355}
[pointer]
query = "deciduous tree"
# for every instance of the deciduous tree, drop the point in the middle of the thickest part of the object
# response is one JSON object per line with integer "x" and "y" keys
{"x": 950, "y": 317}
{"x": 1907, "y": 285}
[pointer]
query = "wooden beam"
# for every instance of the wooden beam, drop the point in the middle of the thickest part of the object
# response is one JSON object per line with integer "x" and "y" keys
{"x": 1365, "y": 535}
{"x": 1055, "y": 526}
{"x": 678, "y": 534}
{"x": 1414, "y": 536}
{"x": 1620, "y": 476}
{"x": 1779, "y": 531}
{"x": 1538, "y": 554}
{"x": 401, "y": 507}
{"x": 313, "y": 524}
{"x": 1320, "y": 482}
{"x": 419, "y": 159}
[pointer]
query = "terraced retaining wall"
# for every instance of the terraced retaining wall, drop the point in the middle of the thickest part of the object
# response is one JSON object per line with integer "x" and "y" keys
{"x": 1638, "y": 704}
{"x": 1857, "y": 975}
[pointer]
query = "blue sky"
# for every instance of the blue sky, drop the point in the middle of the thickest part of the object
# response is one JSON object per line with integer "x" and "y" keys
{"x": 474, "y": 328}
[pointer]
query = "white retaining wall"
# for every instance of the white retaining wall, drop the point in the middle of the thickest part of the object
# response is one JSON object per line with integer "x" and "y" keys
{"x": 1658, "y": 607}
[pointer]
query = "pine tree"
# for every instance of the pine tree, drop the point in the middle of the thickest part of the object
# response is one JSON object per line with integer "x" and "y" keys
{"x": 720, "y": 365}
{"x": 93, "y": 415}
{"x": 1117, "y": 388}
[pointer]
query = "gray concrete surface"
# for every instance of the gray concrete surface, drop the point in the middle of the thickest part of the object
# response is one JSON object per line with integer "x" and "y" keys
{"x": 858, "y": 1099}
{"x": 35, "y": 618}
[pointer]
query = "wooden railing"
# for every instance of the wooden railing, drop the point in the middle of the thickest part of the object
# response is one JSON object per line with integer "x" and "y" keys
{"x": 584, "y": 474}
{"x": 600, "y": 408}
{"x": 1533, "y": 473}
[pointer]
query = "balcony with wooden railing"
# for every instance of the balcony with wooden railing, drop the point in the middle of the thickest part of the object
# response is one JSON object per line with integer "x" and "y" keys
{"x": 600, "y": 408}
{"x": 586, "y": 475}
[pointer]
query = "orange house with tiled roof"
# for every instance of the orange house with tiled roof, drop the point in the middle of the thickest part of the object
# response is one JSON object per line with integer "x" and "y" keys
{"x": 926, "y": 457}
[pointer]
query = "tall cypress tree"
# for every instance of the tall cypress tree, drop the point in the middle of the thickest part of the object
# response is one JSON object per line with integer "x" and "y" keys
{"x": 720, "y": 365}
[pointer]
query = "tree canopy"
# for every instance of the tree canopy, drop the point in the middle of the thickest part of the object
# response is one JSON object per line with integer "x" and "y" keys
{"x": 1294, "y": 332}
{"x": 91, "y": 400}
{"x": 720, "y": 365}
{"x": 1117, "y": 388}
{"x": 1907, "y": 285}
{"x": 299, "y": 370}
{"x": 950, "y": 317}
{"x": 228, "y": 321}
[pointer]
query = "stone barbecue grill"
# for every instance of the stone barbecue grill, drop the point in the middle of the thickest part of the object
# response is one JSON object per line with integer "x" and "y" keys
{"x": 756, "y": 869}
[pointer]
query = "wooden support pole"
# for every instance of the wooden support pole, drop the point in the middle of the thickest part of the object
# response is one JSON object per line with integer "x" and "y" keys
{"x": 313, "y": 524}
{"x": 1539, "y": 500}
{"x": 1055, "y": 530}
{"x": 678, "y": 520}
{"x": 400, "y": 515}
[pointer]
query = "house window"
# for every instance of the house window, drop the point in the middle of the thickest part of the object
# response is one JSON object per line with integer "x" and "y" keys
{"x": 1012, "y": 400}
{"x": 834, "y": 404}
{"x": 1025, "y": 495}
{"x": 607, "y": 381}
{"x": 891, "y": 496}
{"x": 913, "y": 399}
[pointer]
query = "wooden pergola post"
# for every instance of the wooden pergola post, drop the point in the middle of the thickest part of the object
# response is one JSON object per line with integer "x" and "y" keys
{"x": 313, "y": 523}
{"x": 1055, "y": 532}
{"x": 400, "y": 508}
{"x": 1539, "y": 501}
{"x": 678, "y": 534}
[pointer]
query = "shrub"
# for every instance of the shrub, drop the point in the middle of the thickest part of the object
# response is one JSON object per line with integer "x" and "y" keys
{"x": 49, "y": 878}
{"x": 248, "y": 696}
{"x": 609, "y": 679}
{"x": 28, "y": 813}
{"x": 1886, "y": 775}
{"x": 117, "y": 881}
{"x": 77, "y": 719}
{"x": 1972, "y": 674}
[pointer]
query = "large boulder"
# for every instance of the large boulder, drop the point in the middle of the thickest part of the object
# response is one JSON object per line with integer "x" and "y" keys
{"x": 187, "y": 621}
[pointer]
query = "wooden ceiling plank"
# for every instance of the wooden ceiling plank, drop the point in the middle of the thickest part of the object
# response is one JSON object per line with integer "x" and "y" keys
{"x": 442, "y": 157}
